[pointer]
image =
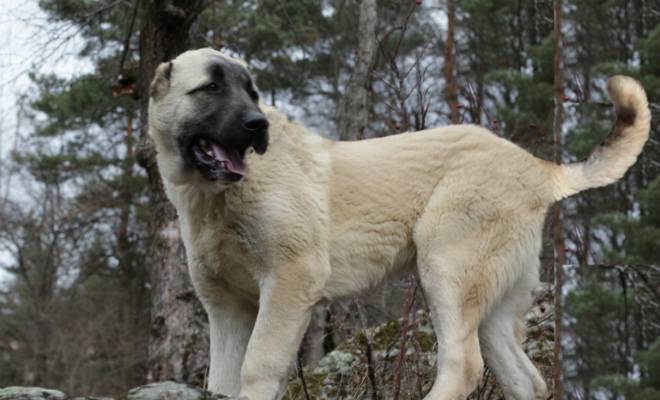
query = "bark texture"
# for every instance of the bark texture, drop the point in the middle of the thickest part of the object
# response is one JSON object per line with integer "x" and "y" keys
{"x": 450, "y": 84}
{"x": 178, "y": 345}
{"x": 558, "y": 233}
{"x": 352, "y": 114}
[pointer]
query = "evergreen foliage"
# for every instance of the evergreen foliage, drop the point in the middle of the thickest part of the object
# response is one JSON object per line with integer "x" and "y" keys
{"x": 646, "y": 387}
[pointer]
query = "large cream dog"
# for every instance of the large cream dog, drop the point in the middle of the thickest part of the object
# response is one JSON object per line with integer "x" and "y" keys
{"x": 303, "y": 220}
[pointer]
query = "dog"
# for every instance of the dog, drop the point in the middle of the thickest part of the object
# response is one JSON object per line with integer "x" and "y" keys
{"x": 276, "y": 220}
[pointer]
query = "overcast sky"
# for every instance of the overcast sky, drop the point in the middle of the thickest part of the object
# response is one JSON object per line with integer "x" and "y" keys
{"x": 14, "y": 40}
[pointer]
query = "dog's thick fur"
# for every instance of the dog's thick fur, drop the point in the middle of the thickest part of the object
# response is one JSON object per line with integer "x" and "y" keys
{"x": 313, "y": 221}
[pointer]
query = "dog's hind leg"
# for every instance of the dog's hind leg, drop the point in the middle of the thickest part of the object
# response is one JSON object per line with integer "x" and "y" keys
{"x": 456, "y": 293}
{"x": 455, "y": 320}
{"x": 470, "y": 252}
{"x": 501, "y": 334}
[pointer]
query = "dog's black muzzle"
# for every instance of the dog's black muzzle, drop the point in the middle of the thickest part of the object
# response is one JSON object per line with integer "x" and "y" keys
{"x": 217, "y": 150}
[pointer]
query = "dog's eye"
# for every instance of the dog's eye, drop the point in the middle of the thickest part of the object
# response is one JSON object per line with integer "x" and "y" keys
{"x": 251, "y": 92}
{"x": 212, "y": 87}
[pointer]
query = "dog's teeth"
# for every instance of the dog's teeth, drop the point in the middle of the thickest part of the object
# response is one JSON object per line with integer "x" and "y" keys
{"x": 223, "y": 164}
{"x": 202, "y": 142}
{"x": 210, "y": 152}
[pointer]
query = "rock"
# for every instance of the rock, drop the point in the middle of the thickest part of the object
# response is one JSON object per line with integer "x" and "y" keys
{"x": 37, "y": 393}
{"x": 31, "y": 393}
{"x": 153, "y": 391}
{"x": 173, "y": 391}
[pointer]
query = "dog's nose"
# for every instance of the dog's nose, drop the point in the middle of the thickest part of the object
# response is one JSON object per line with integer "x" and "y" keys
{"x": 255, "y": 122}
{"x": 256, "y": 127}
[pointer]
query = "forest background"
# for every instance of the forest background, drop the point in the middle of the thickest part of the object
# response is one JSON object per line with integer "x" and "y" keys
{"x": 95, "y": 297}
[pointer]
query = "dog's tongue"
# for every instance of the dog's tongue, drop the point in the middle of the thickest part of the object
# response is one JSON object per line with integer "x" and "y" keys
{"x": 232, "y": 158}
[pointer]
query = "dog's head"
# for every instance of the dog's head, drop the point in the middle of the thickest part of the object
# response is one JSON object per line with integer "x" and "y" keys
{"x": 204, "y": 117}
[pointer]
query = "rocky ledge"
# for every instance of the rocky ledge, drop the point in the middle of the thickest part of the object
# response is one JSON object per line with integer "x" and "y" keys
{"x": 368, "y": 362}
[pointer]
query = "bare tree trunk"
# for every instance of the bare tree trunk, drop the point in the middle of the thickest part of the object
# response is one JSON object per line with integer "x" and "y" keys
{"x": 558, "y": 234}
{"x": 352, "y": 114}
{"x": 450, "y": 84}
{"x": 178, "y": 346}
{"x": 123, "y": 250}
{"x": 351, "y": 117}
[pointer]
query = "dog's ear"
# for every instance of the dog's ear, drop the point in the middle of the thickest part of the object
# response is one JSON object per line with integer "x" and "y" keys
{"x": 161, "y": 80}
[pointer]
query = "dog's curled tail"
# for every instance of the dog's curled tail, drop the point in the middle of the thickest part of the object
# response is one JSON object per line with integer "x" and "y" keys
{"x": 618, "y": 151}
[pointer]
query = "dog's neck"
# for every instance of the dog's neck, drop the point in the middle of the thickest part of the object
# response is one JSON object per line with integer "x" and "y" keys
{"x": 195, "y": 198}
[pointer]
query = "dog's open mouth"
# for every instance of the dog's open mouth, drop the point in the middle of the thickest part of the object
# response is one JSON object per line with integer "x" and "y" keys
{"x": 218, "y": 161}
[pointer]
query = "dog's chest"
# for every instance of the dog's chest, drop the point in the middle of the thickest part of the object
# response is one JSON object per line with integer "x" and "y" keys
{"x": 229, "y": 240}
{"x": 221, "y": 255}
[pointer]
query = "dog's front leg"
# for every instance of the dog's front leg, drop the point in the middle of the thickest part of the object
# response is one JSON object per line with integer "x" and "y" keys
{"x": 230, "y": 322}
{"x": 285, "y": 306}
